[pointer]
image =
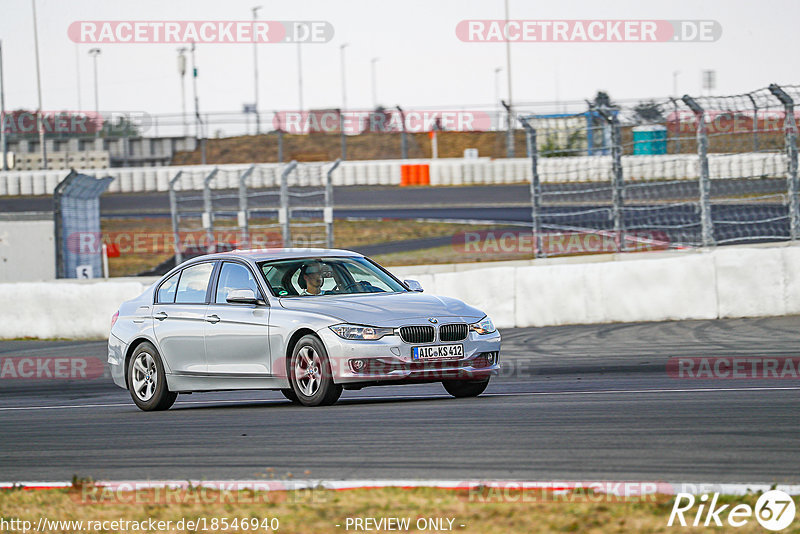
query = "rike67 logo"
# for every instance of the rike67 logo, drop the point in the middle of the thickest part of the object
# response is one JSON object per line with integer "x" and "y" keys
{"x": 774, "y": 510}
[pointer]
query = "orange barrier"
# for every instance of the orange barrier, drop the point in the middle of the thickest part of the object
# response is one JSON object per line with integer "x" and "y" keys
{"x": 424, "y": 175}
{"x": 415, "y": 175}
{"x": 404, "y": 174}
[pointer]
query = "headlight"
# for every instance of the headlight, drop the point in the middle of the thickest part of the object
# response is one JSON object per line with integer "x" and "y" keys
{"x": 484, "y": 326}
{"x": 354, "y": 331}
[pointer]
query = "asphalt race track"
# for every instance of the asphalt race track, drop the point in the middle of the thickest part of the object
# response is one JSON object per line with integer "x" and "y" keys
{"x": 573, "y": 402}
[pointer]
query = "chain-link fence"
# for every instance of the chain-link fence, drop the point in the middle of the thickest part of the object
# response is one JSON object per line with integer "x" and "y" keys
{"x": 666, "y": 174}
{"x": 260, "y": 206}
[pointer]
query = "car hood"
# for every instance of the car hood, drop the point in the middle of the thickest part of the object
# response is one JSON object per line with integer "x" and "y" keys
{"x": 384, "y": 309}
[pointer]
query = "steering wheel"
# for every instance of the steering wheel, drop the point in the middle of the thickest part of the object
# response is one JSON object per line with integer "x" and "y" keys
{"x": 346, "y": 288}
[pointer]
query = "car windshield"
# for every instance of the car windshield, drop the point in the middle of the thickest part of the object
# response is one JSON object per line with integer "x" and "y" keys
{"x": 308, "y": 277}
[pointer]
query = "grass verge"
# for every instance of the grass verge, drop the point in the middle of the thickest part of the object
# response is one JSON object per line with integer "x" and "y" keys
{"x": 323, "y": 511}
{"x": 146, "y": 242}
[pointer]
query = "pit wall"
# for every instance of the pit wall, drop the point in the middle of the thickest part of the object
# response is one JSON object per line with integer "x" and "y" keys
{"x": 653, "y": 286}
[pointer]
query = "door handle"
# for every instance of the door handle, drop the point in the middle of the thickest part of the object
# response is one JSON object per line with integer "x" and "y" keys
{"x": 213, "y": 319}
{"x": 160, "y": 316}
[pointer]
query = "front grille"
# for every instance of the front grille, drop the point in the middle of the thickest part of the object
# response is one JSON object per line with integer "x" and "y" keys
{"x": 453, "y": 332}
{"x": 417, "y": 334}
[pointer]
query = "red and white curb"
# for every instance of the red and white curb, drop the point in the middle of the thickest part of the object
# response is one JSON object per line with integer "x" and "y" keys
{"x": 616, "y": 488}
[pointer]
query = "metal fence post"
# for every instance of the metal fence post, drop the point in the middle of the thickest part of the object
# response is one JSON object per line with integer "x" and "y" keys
{"x": 509, "y": 130}
{"x": 208, "y": 211}
{"x": 790, "y": 129}
{"x": 283, "y": 211}
{"x": 677, "y": 139}
{"x": 342, "y": 135}
{"x": 536, "y": 190}
{"x": 173, "y": 208}
{"x": 617, "y": 182}
{"x": 403, "y": 140}
{"x": 242, "y": 216}
{"x": 328, "y": 211}
{"x": 755, "y": 122}
{"x": 706, "y": 223}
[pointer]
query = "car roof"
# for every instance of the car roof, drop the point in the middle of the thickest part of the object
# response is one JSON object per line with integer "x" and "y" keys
{"x": 265, "y": 254}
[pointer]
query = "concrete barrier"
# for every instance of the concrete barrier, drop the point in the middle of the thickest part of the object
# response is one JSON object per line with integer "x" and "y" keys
{"x": 64, "y": 309}
{"x": 752, "y": 282}
{"x": 728, "y": 282}
{"x": 492, "y": 290}
{"x": 446, "y": 171}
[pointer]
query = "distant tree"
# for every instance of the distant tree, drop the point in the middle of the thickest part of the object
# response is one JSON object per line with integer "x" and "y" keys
{"x": 601, "y": 99}
{"x": 574, "y": 145}
{"x": 648, "y": 111}
{"x": 384, "y": 120}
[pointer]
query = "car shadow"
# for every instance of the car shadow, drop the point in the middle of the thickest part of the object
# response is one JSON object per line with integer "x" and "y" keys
{"x": 283, "y": 404}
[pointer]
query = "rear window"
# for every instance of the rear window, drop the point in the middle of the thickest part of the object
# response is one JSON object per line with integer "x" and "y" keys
{"x": 166, "y": 292}
{"x": 193, "y": 284}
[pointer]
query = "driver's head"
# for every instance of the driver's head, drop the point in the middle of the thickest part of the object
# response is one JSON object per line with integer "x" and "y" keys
{"x": 311, "y": 276}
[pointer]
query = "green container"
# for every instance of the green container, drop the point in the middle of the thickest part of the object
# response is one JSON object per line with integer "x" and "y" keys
{"x": 650, "y": 140}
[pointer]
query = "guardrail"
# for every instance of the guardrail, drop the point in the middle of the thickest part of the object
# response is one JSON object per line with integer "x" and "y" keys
{"x": 451, "y": 171}
{"x": 736, "y": 281}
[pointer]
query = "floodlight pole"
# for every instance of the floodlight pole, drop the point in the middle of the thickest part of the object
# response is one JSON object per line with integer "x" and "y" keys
{"x": 40, "y": 119}
{"x": 3, "y": 141}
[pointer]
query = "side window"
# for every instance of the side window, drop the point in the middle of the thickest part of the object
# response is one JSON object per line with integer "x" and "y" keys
{"x": 234, "y": 276}
{"x": 166, "y": 293}
{"x": 194, "y": 283}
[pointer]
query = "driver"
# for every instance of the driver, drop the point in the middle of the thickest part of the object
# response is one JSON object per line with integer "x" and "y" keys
{"x": 311, "y": 279}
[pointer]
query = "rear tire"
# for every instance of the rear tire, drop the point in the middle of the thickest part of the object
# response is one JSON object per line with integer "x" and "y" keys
{"x": 465, "y": 388}
{"x": 147, "y": 382}
{"x": 310, "y": 374}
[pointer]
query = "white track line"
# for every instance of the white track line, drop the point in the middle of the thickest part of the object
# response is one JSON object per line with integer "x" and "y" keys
{"x": 434, "y": 396}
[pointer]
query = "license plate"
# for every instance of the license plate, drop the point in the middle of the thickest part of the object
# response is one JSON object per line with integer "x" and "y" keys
{"x": 437, "y": 352}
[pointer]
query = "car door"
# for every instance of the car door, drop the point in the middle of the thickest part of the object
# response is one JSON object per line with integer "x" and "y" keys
{"x": 236, "y": 335}
{"x": 179, "y": 318}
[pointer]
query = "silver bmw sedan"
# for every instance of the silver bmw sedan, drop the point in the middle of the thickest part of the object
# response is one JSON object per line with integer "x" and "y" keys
{"x": 307, "y": 322}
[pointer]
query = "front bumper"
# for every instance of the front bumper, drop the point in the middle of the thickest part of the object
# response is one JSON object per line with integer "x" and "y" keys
{"x": 388, "y": 360}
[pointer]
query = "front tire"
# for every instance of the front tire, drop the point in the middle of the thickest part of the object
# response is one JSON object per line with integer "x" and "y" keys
{"x": 310, "y": 374}
{"x": 147, "y": 382}
{"x": 465, "y": 388}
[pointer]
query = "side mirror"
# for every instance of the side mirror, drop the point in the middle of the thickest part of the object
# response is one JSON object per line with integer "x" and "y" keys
{"x": 242, "y": 296}
{"x": 413, "y": 285}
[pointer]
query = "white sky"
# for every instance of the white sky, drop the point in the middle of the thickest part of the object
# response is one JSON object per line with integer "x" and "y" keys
{"x": 422, "y": 63}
